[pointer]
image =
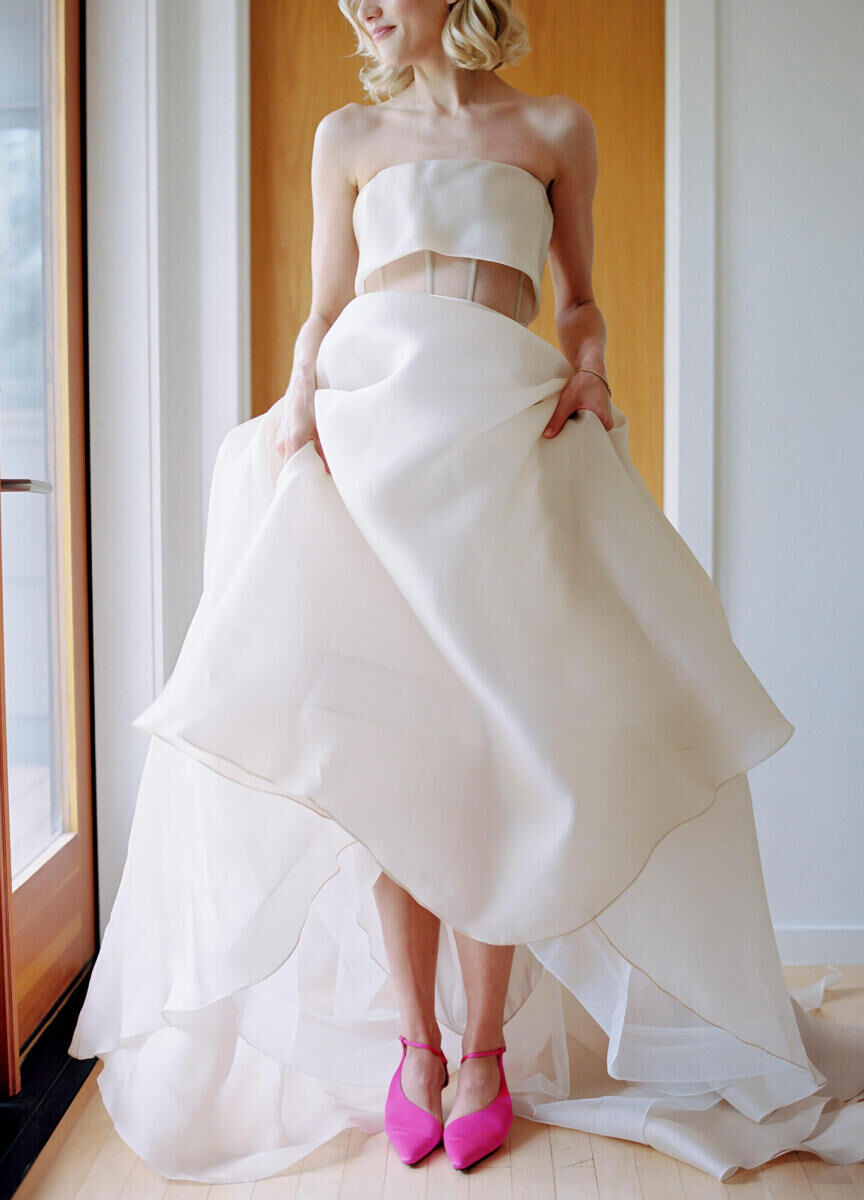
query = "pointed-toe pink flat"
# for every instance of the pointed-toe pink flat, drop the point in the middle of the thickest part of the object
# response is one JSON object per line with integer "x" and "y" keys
{"x": 413, "y": 1132}
{"x": 478, "y": 1134}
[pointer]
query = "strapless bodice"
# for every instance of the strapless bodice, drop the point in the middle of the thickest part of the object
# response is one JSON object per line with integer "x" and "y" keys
{"x": 468, "y": 207}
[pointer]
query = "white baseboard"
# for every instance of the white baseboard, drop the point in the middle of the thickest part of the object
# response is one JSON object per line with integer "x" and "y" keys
{"x": 804, "y": 944}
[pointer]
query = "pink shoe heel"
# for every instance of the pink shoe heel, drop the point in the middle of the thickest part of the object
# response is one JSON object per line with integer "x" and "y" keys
{"x": 413, "y": 1132}
{"x": 479, "y": 1134}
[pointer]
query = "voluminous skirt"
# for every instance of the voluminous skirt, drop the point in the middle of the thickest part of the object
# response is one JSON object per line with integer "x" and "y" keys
{"x": 484, "y": 662}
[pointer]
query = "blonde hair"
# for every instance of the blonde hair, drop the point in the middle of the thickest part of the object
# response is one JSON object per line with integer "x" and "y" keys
{"x": 478, "y": 35}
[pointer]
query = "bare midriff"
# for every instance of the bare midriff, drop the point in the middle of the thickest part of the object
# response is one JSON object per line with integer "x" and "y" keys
{"x": 495, "y": 285}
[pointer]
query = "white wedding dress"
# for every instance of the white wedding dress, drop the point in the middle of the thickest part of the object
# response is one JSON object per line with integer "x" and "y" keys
{"x": 484, "y": 662}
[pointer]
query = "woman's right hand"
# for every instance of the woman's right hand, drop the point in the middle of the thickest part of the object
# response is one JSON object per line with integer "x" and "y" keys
{"x": 297, "y": 421}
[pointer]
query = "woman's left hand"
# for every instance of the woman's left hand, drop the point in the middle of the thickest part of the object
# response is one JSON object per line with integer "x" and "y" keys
{"x": 582, "y": 390}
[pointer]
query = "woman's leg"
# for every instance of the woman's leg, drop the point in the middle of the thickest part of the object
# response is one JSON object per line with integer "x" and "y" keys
{"x": 486, "y": 974}
{"x": 411, "y": 941}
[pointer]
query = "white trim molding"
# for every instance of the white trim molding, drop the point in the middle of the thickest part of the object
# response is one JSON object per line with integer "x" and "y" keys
{"x": 807, "y": 944}
{"x": 167, "y": 175}
{"x": 690, "y": 301}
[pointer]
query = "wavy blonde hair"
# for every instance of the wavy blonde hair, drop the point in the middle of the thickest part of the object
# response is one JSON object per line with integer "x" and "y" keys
{"x": 478, "y": 35}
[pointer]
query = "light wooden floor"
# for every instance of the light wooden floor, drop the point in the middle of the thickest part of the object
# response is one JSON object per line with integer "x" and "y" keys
{"x": 89, "y": 1161}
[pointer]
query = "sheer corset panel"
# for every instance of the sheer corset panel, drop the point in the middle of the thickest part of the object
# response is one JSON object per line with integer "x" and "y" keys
{"x": 467, "y": 228}
{"x": 492, "y": 284}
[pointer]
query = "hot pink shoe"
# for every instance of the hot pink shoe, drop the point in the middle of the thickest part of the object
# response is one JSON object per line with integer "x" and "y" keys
{"x": 412, "y": 1130}
{"x": 478, "y": 1134}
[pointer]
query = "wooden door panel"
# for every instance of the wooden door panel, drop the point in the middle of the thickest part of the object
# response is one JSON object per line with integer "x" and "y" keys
{"x": 47, "y": 896}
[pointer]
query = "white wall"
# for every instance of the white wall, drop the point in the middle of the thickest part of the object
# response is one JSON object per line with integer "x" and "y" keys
{"x": 789, "y": 465}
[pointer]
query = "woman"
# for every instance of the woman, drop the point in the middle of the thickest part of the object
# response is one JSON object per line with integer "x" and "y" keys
{"x": 549, "y": 135}
{"x": 456, "y": 746}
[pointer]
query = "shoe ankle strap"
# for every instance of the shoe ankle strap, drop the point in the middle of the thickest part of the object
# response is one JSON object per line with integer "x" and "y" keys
{"x": 422, "y": 1046}
{"x": 482, "y": 1053}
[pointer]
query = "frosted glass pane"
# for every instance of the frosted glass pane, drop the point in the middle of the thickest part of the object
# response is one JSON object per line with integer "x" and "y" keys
{"x": 27, "y": 422}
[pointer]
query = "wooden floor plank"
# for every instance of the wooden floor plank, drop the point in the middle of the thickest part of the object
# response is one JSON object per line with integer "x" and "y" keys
{"x": 443, "y": 1182}
{"x": 279, "y": 1187}
{"x": 829, "y": 1181}
{"x": 698, "y": 1185}
{"x": 323, "y": 1169}
{"x": 747, "y": 1184}
{"x": 111, "y": 1167}
{"x": 572, "y": 1164}
{"x": 658, "y": 1174}
{"x": 785, "y": 1178}
{"x": 402, "y": 1182}
{"x": 364, "y": 1167}
{"x": 576, "y": 1182}
{"x": 856, "y": 1174}
{"x": 72, "y": 1164}
{"x": 144, "y": 1183}
{"x": 529, "y": 1152}
{"x": 487, "y": 1182}
{"x": 529, "y": 1148}
{"x": 570, "y": 1147}
{"x": 615, "y": 1164}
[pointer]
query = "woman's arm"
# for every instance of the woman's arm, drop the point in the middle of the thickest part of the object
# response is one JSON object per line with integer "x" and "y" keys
{"x": 333, "y": 263}
{"x": 578, "y": 319}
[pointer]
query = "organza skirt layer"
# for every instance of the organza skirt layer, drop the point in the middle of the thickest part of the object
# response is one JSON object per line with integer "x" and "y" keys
{"x": 484, "y": 662}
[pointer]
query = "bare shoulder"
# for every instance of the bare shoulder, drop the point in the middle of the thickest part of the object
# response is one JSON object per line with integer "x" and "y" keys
{"x": 572, "y": 139}
{"x": 337, "y": 135}
{"x": 565, "y": 129}
{"x": 568, "y": 124}
{"x": 557, "y": 131}
{"x": 553, "y": 113}
{"x": 566, "y": 110}
{"x": 344, "y": 121}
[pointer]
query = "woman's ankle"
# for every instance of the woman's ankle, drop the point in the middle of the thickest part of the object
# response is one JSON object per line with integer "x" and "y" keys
{"x": 484, "y": 1037}
{"x": 424, "y": 1032}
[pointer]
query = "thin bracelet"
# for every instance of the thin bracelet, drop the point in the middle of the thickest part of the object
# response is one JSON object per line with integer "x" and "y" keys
{"x": 599, "y": 376}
